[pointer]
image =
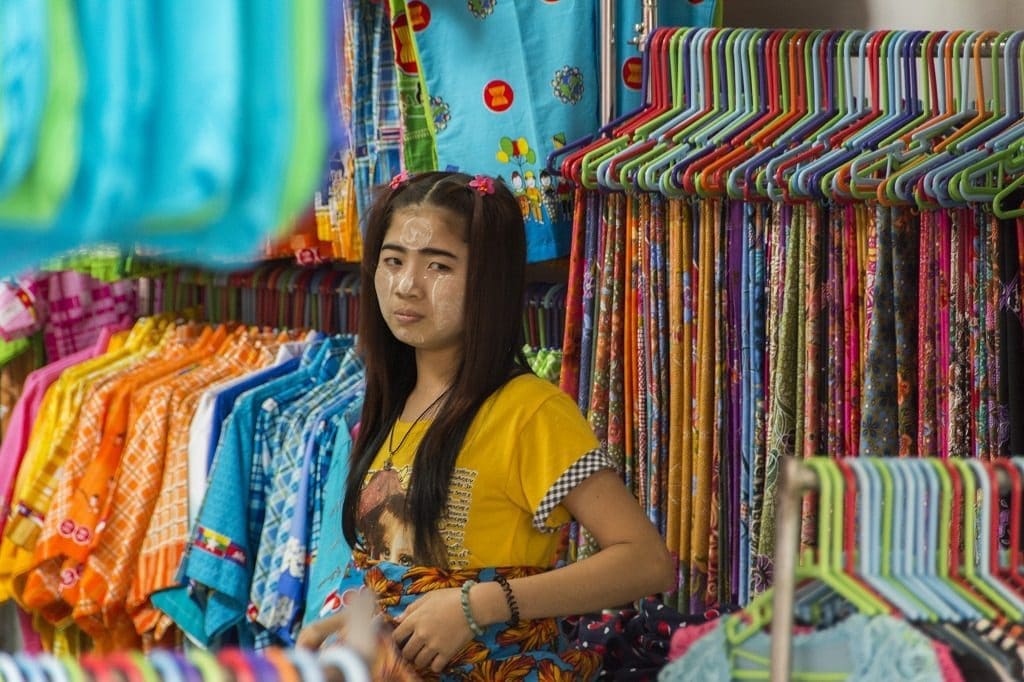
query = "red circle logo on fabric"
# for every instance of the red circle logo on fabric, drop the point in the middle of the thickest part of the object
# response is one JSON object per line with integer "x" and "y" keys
{"x": 419, "y": 14}
{"x": 498, "y": 96}
{"x": 633, "y": 73}
{"x": 405, "y": 51}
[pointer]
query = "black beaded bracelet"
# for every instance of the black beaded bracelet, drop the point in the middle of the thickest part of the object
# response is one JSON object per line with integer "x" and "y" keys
{"x": 510, "y": 597}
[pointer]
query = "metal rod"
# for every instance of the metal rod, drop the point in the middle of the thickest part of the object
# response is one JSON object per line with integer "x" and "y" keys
{"x": 795, "y": 480}
{"x": 608, "y": 61}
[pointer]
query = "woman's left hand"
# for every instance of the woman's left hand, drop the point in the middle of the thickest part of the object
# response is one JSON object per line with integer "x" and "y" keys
{"x": 433, "y": 629}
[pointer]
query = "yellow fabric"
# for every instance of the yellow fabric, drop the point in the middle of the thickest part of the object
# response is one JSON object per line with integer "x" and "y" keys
{"x": 50, "y": 442}
{"x": 523, "y": 439}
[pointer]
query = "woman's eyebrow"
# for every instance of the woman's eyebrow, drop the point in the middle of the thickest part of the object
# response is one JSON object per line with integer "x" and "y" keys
{"x": 428, "y": 250}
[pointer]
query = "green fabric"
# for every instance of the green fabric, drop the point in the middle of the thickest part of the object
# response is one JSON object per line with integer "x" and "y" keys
{"x": 12, "y": 349}
{"x": 307, "y": 162}
{"x": 419, "y": 151}
{"x": 107, "y": 264}
{"x": 38, "y": 197}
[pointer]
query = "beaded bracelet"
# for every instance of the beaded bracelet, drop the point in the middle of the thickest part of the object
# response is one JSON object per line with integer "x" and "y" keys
{"x": 510, "y": 597}
{"x": 473, "y": 625}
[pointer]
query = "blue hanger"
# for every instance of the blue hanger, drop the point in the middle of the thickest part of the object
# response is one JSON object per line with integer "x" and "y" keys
{"x": 934, "y": 569}
{"x": 874, "y": 570}
{"x": 938, "y": 182}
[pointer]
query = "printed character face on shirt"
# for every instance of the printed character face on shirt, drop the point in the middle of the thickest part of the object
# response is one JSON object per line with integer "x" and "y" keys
{"x": 388, "y": 533}
{"x": 421, "y": 277}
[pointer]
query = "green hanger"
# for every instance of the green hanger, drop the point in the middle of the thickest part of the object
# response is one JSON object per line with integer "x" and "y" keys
{"x": 946, "y": 521}
{"x": 677, "y": 84}
{"x": 760, "y": 608}
{"x": 970, "y": 531}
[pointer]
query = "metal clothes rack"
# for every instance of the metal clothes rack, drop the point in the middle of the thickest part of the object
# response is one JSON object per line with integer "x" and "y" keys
{"x": 609, "y": 69}
{"x": 796, "y": 480}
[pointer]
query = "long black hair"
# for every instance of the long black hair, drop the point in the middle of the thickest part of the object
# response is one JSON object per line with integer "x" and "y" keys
{"x": 491, "y": 343}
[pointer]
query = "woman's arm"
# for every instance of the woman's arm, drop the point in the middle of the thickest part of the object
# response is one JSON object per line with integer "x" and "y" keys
{"x": 633, "y": 561}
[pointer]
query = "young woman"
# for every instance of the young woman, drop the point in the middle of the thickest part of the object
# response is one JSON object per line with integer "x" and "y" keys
{"x": 487, "y": 460}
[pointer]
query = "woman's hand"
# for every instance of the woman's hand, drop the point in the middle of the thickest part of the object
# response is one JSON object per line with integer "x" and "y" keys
{"x": 433, "y": 629}
{"x": 313, "y": 635}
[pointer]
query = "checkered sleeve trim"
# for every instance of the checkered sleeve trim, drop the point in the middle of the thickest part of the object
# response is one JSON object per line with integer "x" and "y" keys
{"x": 592, "y": 462}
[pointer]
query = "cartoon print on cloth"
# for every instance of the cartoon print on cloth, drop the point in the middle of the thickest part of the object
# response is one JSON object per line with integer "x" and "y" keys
{"x": 481, "y": 9}
{"x": 387, "y": 532}
{"x": 523, "y": 96}
{"x": 568, "y": 84}
{"x": 441, "y": 113}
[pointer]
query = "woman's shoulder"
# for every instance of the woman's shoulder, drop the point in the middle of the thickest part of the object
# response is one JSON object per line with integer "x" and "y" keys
{"x": 527, "y": 389}
{"x": 525, "y": 395}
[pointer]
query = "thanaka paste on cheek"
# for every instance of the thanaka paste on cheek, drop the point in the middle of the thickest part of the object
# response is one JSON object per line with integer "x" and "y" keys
{"x": 446, "y": 303}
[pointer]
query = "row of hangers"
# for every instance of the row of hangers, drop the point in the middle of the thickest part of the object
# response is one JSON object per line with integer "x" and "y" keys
{"x": 544, "y": 315}
{"x": 916, "y": 537}
{"x": 276, "y": 294}
{"x": 925, "y": 118}
{"x": 197, "y": 664}
{"x": 282, "y": 294}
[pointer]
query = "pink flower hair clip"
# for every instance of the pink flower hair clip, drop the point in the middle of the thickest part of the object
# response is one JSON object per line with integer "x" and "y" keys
{"x": 399, "y": 180}
{"x": 482, "y": 184}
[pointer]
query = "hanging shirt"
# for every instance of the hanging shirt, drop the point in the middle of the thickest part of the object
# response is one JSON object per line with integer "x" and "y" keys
{"x": 24, "y": 414}
{"x": 212, "y": 409}
{"x": 283, "y": 542}
{"x": 212, "y": 594}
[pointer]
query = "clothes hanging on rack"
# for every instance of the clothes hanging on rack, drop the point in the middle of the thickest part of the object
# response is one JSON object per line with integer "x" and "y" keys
{"x": 204, "y": 166}
{"x": 100, "y": 515}
{"x": 771, "y": 272}
{"x": 934, "y": 541}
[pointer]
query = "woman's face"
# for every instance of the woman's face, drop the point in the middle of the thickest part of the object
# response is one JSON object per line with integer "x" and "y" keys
{"x": 421, "y": 277}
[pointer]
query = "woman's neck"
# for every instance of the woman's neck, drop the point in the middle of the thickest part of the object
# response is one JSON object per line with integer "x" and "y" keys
{"x": 435, "y": 373}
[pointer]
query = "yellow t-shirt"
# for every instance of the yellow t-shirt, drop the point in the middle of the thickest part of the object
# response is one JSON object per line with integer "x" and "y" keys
{"x": 527, "y": 448}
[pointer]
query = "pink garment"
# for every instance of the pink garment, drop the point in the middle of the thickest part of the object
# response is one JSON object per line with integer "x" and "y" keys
{"x": 70, "y": 307}
{"x": 79, "y": 307}
{"x": 23, "y": 416}
{"x": 950, "y": 673}
{"x": 684, "y": 638}
{"x": 30, "y": 641}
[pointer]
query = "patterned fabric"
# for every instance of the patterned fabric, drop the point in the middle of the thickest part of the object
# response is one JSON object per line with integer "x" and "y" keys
{"x": 634, "y": 643}
{"x": 628, "y": 14}
{"x": 375, "y": 95}
{"x": 70, "y": 308}
{"x": 863, "y": 649}
{"x": 522, "y": 97}
{"x": 533, "y": 650}
{"x": 284, "y": 542}
{"x": 590, "y": 463}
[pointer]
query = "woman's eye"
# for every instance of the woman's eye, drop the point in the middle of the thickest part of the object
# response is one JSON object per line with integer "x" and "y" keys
{"x": 440, "y": 267}
{"x": 391, "y": 261}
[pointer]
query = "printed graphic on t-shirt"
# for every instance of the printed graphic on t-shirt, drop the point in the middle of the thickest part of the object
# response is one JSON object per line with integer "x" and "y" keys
{"x": 386, "y": 529}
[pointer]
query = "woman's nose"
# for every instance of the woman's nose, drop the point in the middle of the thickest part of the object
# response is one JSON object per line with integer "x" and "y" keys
{"x": 407, "y": 284}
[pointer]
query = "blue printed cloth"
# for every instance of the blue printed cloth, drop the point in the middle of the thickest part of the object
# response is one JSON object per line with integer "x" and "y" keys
{"x": 531, "y": 85}
{"x": 628, "y": 13}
